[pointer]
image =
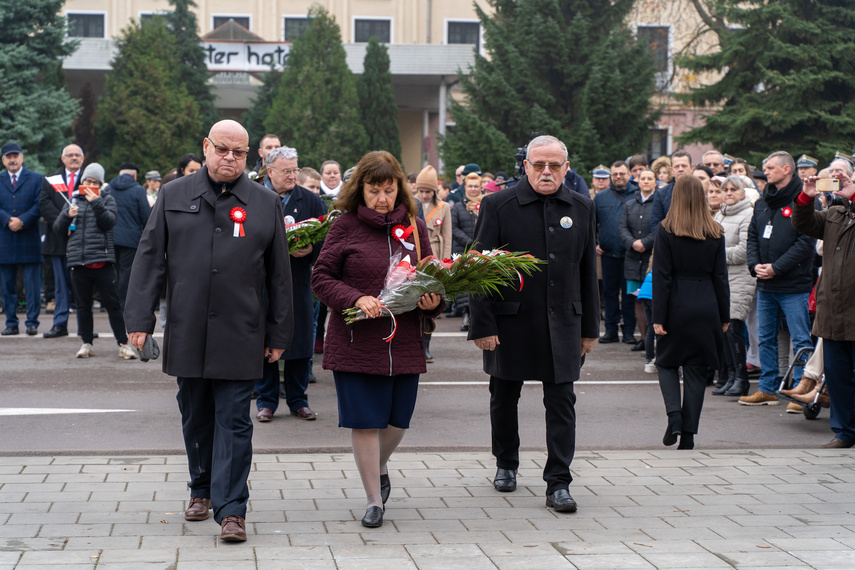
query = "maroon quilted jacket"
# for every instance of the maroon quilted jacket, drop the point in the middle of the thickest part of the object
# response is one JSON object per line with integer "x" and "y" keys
{"x": 354, "y": 262}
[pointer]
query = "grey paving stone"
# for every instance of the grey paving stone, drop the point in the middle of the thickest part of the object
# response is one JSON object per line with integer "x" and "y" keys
{"x": 401, "y": 538}
{"x": 611, "y": 561}
{"x": 366, "y": 564}
{"x": 19, "y": 531}
{"x": 102, "y": 542}
{"x": 684, "y": 560}
{"x": 826, "y": 558}
{"x": 451, "y": 563}
{"x": 68, "y": 530}
{"x": 47, "y": 558}
{"x": 554, "y": 561}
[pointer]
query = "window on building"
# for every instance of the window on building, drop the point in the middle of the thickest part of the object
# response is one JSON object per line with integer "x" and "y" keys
{"x": 146, "y": 18}
{"x": 242, "y": 20}
{"x": 364, "y": 29}
{"x": 658, "y": 145}
{"x": 294, "y": 28}
{"x": 656, "y": 40}
{"x": 86, "y": 25}
{"x": 464, "y": 33}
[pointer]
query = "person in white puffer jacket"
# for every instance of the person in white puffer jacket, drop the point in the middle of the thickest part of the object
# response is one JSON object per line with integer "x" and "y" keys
{"x": 735, "y": 217}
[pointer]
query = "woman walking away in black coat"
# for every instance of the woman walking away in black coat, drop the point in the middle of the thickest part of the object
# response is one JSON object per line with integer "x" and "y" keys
{"x": 691, "y": 306}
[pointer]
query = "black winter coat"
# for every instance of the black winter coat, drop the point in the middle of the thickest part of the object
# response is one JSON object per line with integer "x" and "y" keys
{"x": 462, "y": 226}
{"x": 133, "y": 210}
{"x": 790, "y": 253}
{"x": 92, "y": 239}
{"x": 217, "y": 284}
{"x": 303, "y": 205}
{"x": 691, "y": 299}
{"x": 635, "y": 224}
{"x": 541, "y": 327}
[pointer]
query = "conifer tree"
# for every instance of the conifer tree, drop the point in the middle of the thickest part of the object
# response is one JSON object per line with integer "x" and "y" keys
{"x": 146, "y": 115}
{"x": 316, "y": 107}
{"x": 83, "y": 129}
{"x": 377, "y": 100}
{"x": 570, "y": 68}
{"x": 194, "y": 73}
{"x": 36, "y": 110}
{"x": 788, "y": 78}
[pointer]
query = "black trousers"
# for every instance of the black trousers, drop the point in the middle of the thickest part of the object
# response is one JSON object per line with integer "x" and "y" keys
{"x": 218, "y": 439}
{"x": 692, "y": 400}
{"x": 124, "y": 261}
{"x": 84, "y": 280}
{"x": 559, "y": 401}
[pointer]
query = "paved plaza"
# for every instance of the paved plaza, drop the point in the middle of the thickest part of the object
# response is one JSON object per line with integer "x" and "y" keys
{"x": 637, "y": 509}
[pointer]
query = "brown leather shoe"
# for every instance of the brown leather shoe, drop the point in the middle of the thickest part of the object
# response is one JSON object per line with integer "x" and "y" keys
{"x": 305, "y": 413}
{"x": 836, "y": 443}
{"x": 199, "y": 509}
{"x": 803, "y": 387}
{"x": 264, "y": 415}
{"x": 234, "y": 529}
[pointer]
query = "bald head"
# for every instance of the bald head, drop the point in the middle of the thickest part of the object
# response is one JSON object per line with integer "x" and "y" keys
{"x": 227, "y": 137}
{"x": 72, "y": 157}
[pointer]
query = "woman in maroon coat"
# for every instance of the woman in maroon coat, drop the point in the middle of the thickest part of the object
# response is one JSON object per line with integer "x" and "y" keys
{"x": 376, "y": 382}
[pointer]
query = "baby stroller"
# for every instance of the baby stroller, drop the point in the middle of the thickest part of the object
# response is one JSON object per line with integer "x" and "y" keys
{"x": 811, "y": 408}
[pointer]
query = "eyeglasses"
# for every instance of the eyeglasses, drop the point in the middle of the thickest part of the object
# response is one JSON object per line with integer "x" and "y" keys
{"x": 285, "y": 171}
{"x": 539, "y": 166}
{"x": 223, "y": 151}
{"x": 713, "y": 164}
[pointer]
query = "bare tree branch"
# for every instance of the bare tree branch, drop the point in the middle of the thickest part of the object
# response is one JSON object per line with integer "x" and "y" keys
{"x": 714, "y": 23}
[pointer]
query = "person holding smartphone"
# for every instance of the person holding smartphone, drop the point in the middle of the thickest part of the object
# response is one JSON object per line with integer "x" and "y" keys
{"x": 91, "y": 257}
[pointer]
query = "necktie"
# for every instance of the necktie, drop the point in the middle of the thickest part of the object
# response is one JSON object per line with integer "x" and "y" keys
{"x": 70, "y": 183}
{"x": 14, "y": 181}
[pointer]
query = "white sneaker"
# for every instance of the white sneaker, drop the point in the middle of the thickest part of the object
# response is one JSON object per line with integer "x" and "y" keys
{"x": 127, "y": 352}
{"x": 86, "y": 351}
{"x": 650, "y": 367}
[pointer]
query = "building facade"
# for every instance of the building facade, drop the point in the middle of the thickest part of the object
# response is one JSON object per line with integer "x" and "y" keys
{"x": 429, "y": 41}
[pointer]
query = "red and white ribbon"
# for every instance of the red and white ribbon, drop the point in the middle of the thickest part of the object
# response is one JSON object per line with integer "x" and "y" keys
{"x": 401, "y": 234}
{"x": 394, "y": 324}
{"x": 238, "y": 216}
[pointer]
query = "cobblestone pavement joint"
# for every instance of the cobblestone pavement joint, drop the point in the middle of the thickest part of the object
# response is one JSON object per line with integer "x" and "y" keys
{"x": 766, "y": 509}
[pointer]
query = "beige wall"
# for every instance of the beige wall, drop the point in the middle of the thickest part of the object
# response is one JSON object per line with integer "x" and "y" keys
{"x": 410, "y": 129}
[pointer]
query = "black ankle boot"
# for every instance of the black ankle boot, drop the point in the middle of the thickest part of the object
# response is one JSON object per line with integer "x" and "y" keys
{"x": 428, "y": 355}
{"x": 675, "y": 426}
{"x": 731, "y": 379}
{"x": 740, "y": 385}
{"x": 687, "y": 441}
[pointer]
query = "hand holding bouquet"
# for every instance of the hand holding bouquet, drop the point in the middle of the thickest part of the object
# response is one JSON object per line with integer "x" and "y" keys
{"x": 302, "y": 234}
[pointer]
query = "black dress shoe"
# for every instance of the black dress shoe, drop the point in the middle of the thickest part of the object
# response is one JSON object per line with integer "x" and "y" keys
{"x": 561, "y": 501}
{"x": 505, "y": 480}
{"x": 674, "y": 429}
{"x": 629, "y": 339}
{"x": 373, "y": 517}
{"x": 639, "y": 346}
{"x": 32, "y": 330}
{"x": 9, "y": 331}
{"x": 385, "y": 487}
{"x": 56, "y": 331}
{"x": 609, "y": 338}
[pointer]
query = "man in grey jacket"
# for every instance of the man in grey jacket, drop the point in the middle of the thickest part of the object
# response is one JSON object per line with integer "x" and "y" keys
{"x": 218, "y": 241}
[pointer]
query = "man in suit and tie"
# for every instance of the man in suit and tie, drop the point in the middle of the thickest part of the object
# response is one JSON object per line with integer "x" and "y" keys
{"x": 55, "y": 244}
{"x": 20, "y": 242}
{"x": 298, "y": 204}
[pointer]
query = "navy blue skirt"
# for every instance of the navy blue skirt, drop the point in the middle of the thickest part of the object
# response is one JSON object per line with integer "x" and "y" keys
{"x": 369, "y": 401}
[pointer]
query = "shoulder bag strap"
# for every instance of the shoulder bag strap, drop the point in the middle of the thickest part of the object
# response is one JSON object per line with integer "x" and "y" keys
{"x": 416, "y": 238}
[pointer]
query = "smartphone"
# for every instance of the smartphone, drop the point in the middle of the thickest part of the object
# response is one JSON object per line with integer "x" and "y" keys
{"x": 95, "y": 189}
{"x": 827, "y": 185}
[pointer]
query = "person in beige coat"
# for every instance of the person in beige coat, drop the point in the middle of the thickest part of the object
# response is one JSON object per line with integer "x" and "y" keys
{"x": 438, "y": 220}
{"x": 735, "y": 217}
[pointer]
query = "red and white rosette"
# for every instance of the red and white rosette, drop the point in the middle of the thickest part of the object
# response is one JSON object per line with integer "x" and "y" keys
{"x": 438, "y": 222}
{"x": 238, "y": 216}
{"x": 401, "y": 234}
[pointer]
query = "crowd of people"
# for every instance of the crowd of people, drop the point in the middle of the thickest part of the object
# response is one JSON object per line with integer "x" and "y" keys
{"x": 712, "y": 265}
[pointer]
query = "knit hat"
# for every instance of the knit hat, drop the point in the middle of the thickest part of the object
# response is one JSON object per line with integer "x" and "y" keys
{"x": 470, "y": 168}
{"x": 95, "y": 171}
{"x": 427, "y": 178}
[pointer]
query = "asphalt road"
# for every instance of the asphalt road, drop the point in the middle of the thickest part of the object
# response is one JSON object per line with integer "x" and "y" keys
{"x": 132, "y": 407}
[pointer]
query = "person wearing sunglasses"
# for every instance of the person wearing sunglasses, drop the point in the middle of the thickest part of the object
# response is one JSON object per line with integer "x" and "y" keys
{"x": 217, "y": 240}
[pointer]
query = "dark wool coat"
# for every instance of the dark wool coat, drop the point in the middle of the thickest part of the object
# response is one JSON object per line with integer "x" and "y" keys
{"x": 790, "y": 253}
{"x": 92, "y": 239}
{"x": 25, "y": 245}
{"x": 133, "y": 209}
{"x": 541, "y": 327}
{"x": 691, "y": 299}
{"x": 51, "y": 204}
{"x": 661, "y": 205}
{"x": 635, "y": 224}
{"x": 835, "y": 294}
{"x": 354, "y": 262}
{"x": 216, "y": 282}
{"x": 303, "y": 205}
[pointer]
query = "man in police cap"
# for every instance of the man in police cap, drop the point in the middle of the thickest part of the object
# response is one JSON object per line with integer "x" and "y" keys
{"x": 542, "y": 330}
{"x": 806, "y": 166}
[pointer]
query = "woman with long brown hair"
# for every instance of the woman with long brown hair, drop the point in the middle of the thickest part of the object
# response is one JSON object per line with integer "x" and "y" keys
{"x": 691, "y": 306}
